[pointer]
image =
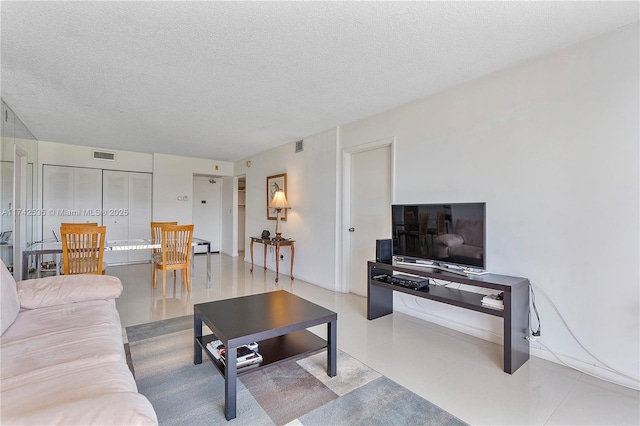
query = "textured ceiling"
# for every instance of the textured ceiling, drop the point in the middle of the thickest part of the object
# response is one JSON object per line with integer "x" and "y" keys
{"x": 226, "y": 80}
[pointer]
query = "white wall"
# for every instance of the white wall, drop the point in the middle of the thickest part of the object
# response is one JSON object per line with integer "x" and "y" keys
{"x": 552, "y": 147}
{"x": 173, "y": 177}
{"x": 312, "y": 194}
{"x": 61, "y": 154}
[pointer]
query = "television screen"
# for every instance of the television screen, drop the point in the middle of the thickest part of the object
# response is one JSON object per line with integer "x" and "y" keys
{"x": 441, "y": 233}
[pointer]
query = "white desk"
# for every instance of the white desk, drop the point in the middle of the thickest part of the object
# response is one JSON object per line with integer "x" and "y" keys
{"x": 38, "y": 249}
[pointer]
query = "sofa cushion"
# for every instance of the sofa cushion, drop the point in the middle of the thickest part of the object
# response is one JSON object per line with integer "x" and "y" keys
{"x": 9, "y": 298}
{"x": 472, "y": 231}
{"x": 74, "y": 337}
{"x": 60, "y": 290}
{"x": 117, "y": 408}
{"x": 471, "y": 252}
{"x": 450, "y": 240}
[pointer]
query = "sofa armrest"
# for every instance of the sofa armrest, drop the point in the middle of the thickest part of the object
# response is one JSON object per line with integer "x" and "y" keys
{"x": 450, "y": 240}
{"x": 63, "y": 289}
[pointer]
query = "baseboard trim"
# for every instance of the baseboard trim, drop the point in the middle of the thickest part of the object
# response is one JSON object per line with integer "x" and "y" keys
{"x": 583, "y": 366}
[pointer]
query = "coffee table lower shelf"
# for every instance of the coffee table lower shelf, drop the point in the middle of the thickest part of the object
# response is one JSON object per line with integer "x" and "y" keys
{"x": 295, "y": 345}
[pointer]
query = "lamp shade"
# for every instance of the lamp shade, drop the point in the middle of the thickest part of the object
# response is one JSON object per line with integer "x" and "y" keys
{"x": 279, "y": 201}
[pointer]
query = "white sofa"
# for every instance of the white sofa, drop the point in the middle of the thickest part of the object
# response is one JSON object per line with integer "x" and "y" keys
{"x": 62, "y": 354}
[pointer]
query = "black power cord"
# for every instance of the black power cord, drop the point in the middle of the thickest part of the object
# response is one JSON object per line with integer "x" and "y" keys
{"x": 535, "y": 309}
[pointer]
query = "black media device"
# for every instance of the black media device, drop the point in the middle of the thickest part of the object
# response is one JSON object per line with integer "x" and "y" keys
{"x": 383, "y": 251}
{"x": 408, "y": 281}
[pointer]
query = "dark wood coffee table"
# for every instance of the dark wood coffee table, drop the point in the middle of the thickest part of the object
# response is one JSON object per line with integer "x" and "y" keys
{"x": 277, "y": 321}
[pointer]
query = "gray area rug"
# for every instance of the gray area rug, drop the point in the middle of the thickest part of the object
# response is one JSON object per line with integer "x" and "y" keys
{"x": 292, "y": 392}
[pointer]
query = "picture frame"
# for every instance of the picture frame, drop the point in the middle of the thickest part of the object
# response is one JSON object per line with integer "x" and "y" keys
{"x": 275, "y": 183}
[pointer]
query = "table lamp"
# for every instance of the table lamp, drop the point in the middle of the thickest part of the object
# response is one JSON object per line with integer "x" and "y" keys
{"x": 279, "y": 202}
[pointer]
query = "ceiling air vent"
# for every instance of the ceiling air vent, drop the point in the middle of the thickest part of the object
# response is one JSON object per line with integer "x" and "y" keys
{"x": 299, "y": 146}
{"x": 104, "y": 155}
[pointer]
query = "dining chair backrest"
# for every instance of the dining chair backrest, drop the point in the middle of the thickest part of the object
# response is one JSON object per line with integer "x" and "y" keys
{"x": 83, "y": 248}
{"x": 156, "y": 233}
{"x": 423, "y": 224}
{"x": 79, "y": 224}
{"x": 176, "y": 244}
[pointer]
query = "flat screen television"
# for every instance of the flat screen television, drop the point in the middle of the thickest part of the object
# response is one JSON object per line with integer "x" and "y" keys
{"x": 440, "y": 234}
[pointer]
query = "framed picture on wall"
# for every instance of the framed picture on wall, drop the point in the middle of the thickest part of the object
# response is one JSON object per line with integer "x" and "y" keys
{"x": 276, "y": 183}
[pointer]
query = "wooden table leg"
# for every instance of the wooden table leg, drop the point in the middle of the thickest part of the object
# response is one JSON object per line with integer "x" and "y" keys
{"x": 265, "y": 257}
{"x": 293, "y": 252}
{"x": 251, "y": 250}
{"x": 277, "y": 260}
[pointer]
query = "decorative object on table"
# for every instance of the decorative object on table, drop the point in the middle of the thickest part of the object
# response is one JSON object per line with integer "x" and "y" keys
{"x": 265, "y": 235}
{"x": 276, "y": 183}
{"x": 279, "y": 202}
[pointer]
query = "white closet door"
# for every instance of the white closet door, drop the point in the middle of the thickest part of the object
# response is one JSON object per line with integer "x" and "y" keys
{"x": 69, "y": 194}
{"x": 139, "y": 212}
{"x": 127, "y": 212}
{"x": 57, "y": 196}
{"x": 115, "y": 199}
{"x": 87, "y": 195}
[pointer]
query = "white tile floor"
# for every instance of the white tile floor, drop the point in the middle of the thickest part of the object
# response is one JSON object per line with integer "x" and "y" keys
{"x": 459, "y": 373}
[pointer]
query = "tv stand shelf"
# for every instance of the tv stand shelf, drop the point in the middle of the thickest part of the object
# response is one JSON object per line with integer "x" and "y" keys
{"x": 516, "y": 302}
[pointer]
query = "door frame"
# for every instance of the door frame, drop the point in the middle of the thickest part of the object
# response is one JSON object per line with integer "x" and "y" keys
{"x": 19, "y": 202}
{"x": 346, "y": 201}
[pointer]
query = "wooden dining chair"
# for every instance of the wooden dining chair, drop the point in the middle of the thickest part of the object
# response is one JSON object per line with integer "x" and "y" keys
{"x": 61, "y": 263}
{"x": 83, "y": 249}
{"x": 423, "y": 225}
{"x": 175, "y": 254}
{"x": 156, "y": 237}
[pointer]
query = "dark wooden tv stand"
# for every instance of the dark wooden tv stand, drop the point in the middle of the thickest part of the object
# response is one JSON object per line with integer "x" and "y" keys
{"x": 516, "y": 302}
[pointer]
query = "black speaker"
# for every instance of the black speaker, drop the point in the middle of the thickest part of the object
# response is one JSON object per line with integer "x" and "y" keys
{"x": 383, "y": 251}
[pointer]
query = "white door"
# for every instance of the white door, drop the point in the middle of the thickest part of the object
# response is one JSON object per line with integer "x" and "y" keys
{"x": 115, "y": 198}
{"x": 370, "y": 201}
{"x": 207, "y": 199}
{"x": 70, "y": 194}
{"x": 139, "y": 213}
{"x": 126, "y": 206}
{"x": 57, "y": 197}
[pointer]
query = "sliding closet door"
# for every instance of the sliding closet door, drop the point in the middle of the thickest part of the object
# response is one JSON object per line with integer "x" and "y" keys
{"x": 140, "y": 212}
{"x": 127, "y": 212}
{"x": 70, "y": 194}
{"x": 115, "y": 202}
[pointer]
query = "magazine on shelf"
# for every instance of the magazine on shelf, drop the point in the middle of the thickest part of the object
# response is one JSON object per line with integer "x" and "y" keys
{"x": 494, "y": 301}
{"x": 215, "y": 347}
{"x": 499, "y": 308}
{"x": 245, "y": 357}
